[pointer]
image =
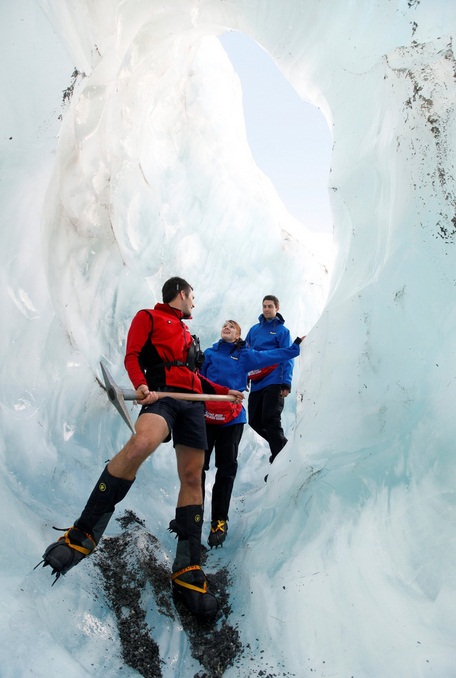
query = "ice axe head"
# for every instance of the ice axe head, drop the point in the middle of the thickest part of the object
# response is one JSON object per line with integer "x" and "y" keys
{"x": 116, "y": 396}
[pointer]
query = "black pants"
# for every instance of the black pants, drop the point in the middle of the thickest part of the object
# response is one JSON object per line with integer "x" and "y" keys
{"x": 226, "y": 441}
{"x": 265, "y": 409}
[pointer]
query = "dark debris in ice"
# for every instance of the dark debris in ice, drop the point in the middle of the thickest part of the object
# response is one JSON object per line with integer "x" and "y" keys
{"x": 133, "y": 573}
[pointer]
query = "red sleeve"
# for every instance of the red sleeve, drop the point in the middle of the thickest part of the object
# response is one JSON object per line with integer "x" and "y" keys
{"x": 138, "y": 336}
{"x": 211, "y": 387}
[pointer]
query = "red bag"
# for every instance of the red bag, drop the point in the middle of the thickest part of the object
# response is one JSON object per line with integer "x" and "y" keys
{"x": 256, "y": 375}
{"x": 221, "y": 412}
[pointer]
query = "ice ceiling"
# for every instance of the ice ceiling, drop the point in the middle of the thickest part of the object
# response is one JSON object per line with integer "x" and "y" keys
{"x": 347, "y": 560}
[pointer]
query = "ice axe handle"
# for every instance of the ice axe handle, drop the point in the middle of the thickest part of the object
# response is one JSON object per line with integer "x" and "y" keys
{"x": 128, "y": 394}
{"x": 118, "y": 396}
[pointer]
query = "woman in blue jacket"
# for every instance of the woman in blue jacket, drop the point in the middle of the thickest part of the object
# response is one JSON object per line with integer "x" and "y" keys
{"x": 228, "y": 362}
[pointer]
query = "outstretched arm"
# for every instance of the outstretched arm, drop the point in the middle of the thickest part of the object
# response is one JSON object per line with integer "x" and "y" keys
{"x": 254, "y": 360}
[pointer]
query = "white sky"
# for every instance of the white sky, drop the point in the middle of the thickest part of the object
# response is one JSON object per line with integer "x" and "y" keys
{"x": 289, "y": 138}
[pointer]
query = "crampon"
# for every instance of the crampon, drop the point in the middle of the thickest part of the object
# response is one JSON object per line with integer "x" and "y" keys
{"x": 67, "y": 552}
{"x": 217, "y": 535}
{"x": 190, "y": 586}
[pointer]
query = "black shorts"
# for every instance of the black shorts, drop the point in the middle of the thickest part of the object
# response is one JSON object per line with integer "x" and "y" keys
{"x": 185, "y": 420}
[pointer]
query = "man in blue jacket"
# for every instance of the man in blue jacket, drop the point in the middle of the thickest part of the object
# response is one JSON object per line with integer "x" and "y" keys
{"x": 271, "y": 385}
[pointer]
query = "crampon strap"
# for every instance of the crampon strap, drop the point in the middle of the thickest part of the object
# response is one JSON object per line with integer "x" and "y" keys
{"x": 76, "y": 547}
{"x": 185, "y": 584}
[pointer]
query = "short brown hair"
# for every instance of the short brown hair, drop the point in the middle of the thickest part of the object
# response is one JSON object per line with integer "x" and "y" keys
{"x": 173, "y": 286}
{"x": 271, "y": 297}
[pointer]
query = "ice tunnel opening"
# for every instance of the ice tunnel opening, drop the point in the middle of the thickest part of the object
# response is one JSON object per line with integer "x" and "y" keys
{"x": 288, "y": 136}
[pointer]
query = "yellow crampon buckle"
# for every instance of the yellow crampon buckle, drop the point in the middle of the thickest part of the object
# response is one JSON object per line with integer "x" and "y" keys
{"x": 175, "y": 580}
{"x": 220, "y": 526}
{"x": 76, "y": 547}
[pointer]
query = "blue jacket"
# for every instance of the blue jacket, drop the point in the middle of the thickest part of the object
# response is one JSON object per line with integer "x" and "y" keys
{"x": 228, "y": 364}
{"x": 265, "y": 335}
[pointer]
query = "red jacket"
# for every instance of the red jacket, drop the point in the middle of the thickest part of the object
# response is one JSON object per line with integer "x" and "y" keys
{"x": 157, "y": 339}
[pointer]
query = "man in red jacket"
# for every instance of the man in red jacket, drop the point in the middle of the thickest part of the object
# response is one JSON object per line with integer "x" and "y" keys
{"x": 161, "y": 355}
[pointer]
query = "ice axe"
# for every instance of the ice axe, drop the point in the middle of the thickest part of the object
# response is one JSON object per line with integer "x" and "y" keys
{"x": 118, "y": 396}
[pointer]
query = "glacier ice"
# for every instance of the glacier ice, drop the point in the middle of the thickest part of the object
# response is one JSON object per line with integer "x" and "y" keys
{"x": 343, "y": 563}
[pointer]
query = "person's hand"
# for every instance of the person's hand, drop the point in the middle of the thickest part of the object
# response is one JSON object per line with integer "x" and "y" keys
{"x": 144, "y": 396}
{"x": 285, "y": 392}
{"x": 238, "y": 395}
{"x": 299, "y": 340}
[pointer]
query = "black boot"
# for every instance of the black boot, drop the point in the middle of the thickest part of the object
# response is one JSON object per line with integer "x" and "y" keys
{"x": 188, "y": 579}
{"x": 217, "y": 535}
{"x": 80, "y": 540}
